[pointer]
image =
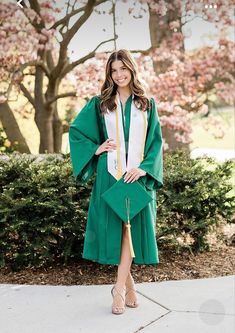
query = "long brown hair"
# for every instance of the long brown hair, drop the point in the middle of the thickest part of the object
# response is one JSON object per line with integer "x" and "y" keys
{"x": 109, "y": 88}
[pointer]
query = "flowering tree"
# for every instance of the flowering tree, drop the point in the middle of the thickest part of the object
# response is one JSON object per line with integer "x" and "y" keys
{"x": 185, "y": 81}
{"x": 35, "y": 44}
{"x": 189, "y": 86}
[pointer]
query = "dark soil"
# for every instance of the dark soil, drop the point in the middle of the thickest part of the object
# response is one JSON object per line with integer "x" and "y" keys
{"x": 217, "y": 262}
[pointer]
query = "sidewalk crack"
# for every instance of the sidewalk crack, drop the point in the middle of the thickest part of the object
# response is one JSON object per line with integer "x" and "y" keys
{"x": 151, "y": 322}
{"x": 154, "y": 301}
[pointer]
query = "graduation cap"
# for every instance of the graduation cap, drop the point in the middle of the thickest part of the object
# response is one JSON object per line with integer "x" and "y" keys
{"x": 127, "y": 200}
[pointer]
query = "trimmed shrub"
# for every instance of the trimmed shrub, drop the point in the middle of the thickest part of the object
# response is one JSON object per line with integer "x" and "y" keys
{"x": 42, "y": 211}
{"x": 195, "y": 198}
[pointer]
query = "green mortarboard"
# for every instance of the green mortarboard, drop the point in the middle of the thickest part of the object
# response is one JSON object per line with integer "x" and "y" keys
{"x": 127, "y": 200}
{"x": 116, "y": 197}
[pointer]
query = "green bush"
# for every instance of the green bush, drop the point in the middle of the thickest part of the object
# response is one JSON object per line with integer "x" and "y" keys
{"x": 43, "y": 212}
{"x": 195, "y": 198}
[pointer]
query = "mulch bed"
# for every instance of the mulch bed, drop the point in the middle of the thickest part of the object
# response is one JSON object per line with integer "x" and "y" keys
{"x": 217, "y": 262}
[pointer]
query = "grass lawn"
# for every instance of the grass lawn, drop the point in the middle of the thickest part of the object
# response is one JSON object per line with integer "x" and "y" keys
{"x": 205, "y": 139}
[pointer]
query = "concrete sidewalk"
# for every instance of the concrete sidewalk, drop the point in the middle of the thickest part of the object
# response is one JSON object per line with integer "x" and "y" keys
{"x": 185, "y": 306}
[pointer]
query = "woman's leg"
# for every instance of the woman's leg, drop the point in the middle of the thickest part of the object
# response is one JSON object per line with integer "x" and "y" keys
{"x": 123, "y": 272}
{"x": 126, "y": 259}
{"x": 124, "y": 278}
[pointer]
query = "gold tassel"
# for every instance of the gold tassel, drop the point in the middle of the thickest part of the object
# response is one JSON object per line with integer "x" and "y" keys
{"x": 128, "y": 225}
{"x": 130, "y": 239}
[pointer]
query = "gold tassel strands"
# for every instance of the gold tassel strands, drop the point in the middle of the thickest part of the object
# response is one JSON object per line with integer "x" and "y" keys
{"x": 128, "y": 226}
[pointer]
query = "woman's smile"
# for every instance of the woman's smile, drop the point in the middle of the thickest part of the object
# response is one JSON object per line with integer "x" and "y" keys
{"x": 121, "y": 80}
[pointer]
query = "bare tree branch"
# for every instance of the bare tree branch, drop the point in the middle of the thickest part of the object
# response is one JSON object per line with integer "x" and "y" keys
{"x": 27, "y": 94}
{"x": 62, "y": 61}
{"x": 144, "y": 52}
{"x": 49, "y": 59}
{"x": 35, "y": 63}
{"x": 114, "y": 22}
{"x": 35, "y": 6}
{"x": 77, "y": 25}
{"x": 192, "y": 19}
{"x": 37, "y": 26}
{"x": 55, "y": 98}
{"x": 99, "y": 2}
{"x": 9, "y": 89}
{"x": 66, "y": 18}
{"x": 90, "y": 55}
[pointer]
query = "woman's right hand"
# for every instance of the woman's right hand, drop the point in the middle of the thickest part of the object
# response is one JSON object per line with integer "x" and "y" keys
{"x": 108, "y": 145}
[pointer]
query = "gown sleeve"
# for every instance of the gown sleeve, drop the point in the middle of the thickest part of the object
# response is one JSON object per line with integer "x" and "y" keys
{"x": 84, "y": 139}
{"x": 153, "y": 153}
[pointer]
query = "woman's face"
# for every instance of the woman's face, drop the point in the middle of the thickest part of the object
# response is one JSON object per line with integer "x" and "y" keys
{"x": 120, "y": 74}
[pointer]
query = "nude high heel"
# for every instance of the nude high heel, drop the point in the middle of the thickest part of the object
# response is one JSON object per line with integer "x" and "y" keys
{"x": 118, "y": 309}
{"x": 129, "y": 297}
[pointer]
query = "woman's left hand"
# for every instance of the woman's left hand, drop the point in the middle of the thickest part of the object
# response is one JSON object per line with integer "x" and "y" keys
{"x": 133, "y": 175}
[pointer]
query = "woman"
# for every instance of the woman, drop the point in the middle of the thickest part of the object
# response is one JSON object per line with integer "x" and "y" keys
{"x": 110, "y": 129}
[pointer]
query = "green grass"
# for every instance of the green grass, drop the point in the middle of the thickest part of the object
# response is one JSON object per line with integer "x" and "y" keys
{"x": 205, "y": 139}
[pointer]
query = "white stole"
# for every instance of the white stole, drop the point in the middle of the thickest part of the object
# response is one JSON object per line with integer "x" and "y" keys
{"x": 116, "y": 159}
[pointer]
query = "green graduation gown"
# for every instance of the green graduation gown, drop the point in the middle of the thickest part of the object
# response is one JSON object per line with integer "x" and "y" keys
{"x": 104, "y": 228}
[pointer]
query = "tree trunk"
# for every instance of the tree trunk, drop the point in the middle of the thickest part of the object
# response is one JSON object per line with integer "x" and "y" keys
{"x": 12, "y": 129}
{"x": 57, "y": 131}
{"x": 44, "y": 121}
{"x": 48, "y": 121}
{"x": 159, "y": 31}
